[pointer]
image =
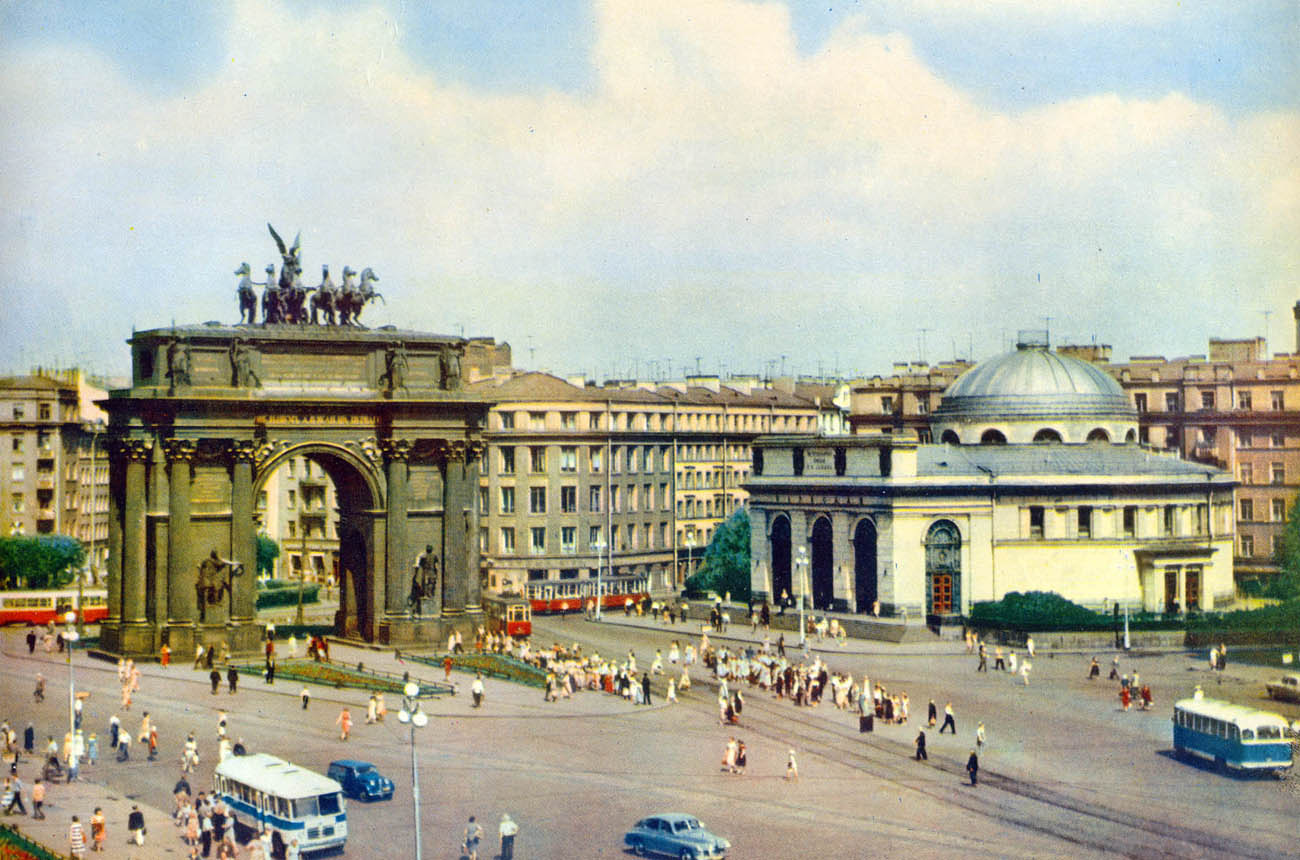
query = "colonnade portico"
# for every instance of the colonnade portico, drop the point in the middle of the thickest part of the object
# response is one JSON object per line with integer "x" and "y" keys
{"x": 383, "y": 414}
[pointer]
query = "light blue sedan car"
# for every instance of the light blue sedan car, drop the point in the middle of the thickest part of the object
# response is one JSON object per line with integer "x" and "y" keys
{"x": 676, "y": 835}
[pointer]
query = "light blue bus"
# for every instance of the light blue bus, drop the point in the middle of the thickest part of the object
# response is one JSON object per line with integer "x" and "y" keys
{"x": 1231, "y": 736}
{"x": 264, "y": 792}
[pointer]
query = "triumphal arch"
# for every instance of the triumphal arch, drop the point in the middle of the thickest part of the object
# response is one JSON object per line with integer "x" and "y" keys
{"x": 214, "y": 409}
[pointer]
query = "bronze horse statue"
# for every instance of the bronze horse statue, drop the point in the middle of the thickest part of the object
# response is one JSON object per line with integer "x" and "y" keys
{"x": 355, "y": 298}
{"x": 247, "y": 297}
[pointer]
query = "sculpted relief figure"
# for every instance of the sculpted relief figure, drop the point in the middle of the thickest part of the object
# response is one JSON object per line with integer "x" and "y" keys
{"x": 242, "y": 373}
{"x": 450, "y": 362}
{"x": 178, "y": 363}
{"x": 395, "y": 366}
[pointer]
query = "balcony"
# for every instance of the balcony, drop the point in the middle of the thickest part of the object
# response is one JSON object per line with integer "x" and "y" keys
{"x": 45, "y": 514}
{"x": 45, "y": 480}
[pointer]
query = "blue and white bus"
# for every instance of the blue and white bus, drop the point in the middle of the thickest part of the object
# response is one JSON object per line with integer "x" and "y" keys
{"x": 1231, "y": 736}
{"x": 264, "y": 792}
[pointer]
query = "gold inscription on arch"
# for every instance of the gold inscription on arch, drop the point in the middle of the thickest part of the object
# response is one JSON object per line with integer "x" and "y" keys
{"x": 316, "y": 420}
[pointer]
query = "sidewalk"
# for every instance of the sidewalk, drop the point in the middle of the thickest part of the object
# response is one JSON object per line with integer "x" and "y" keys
{"x": 64, "y": 800}
{"x": 743, "y": 634}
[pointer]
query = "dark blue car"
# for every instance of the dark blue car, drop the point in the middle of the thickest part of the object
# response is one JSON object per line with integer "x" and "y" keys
{"x": 360, "y": 780}
{"x": 676, "y": 835}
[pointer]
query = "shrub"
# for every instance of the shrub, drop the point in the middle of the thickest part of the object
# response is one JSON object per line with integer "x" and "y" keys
{"x": 272, "y": 597}
{"x": 1037, "y": 610}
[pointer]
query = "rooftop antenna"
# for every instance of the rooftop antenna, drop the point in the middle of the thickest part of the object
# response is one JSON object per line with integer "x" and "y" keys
{"x": 697, "y": 365}
{"x": 922, "y": 357}
{"x": 531, "y": 351}
{"x": 1266, "y": 314}
{"x": 1047, "y": 322}
{"x": 783, "y": 357}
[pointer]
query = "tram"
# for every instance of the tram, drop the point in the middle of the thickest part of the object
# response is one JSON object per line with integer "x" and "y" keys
{"x": 1231, "y": 736}
{"x": 510, "y": 615}
{"x": 50, "y": 606}
{"x": 573, "y": 595}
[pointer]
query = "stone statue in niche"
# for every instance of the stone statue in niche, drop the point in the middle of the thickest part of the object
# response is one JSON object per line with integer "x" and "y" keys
{"x": 215, "y": 581}
{"x": 395, "y": 366}
{"x": 449, "y": 359}
{"x": 242, "y": 374}
{"x": 178, "y": 363}
{"x": 424, "y": 583}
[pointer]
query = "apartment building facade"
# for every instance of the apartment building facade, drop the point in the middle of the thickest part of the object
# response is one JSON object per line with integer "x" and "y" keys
{"x": 628, "y": 478}
{"x": 53, "y": 468}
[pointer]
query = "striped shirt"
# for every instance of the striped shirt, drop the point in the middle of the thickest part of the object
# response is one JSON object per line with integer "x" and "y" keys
{"x": 77, "y": 839}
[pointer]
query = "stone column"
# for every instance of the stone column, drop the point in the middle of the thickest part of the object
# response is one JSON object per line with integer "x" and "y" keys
{"x": 243, "y": 542}
{"x": 134, "y": 580}
{"x": 459, "y": 581}
{"x": 397, "y": 574}
{"x": 181, "y": 608}
{"x": 116, "y": 489}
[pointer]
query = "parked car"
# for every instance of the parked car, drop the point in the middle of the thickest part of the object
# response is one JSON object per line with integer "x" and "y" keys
{"x": 1286, "y": 689}
{"x": 676, "y": 835}
{"x": 361, "y": 780}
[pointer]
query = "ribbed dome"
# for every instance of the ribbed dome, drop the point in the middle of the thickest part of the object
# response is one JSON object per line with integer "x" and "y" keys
{"x": 1034, "y": 381}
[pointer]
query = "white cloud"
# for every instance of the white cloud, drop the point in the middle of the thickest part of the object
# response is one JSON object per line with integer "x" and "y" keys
{"x": 712, "y": 163}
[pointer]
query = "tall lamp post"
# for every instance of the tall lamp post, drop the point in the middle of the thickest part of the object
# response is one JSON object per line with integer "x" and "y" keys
{"x": 598, "y": 547}
{"x": 70, "y": 637}
{"x": 411, "y": 715}
{"x": 96, "y": 428}
{"x": 690, "y": 554}
{"x": 801, "y": 567}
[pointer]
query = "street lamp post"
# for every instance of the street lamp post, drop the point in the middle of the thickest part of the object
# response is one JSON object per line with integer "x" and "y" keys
{"x": 411, "y": 715}
{"x": 598, "y": 547}
{"x": 801, "y": 566}
{"x": 70, "y": 637}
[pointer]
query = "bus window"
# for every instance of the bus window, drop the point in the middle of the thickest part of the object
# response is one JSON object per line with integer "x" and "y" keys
{"x": 1269, "y": 733}
{"x": 329, "y": 804}
{"x": 1232, "y": 732}
{"x": 304, "y": 806}
{"x": 1247, "y": 735}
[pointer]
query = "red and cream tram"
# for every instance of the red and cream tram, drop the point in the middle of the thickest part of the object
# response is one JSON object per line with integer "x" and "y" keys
{"x": 46, "y": 607}
{"x": 560, "y": 596}
{"x": 510, "y": 615}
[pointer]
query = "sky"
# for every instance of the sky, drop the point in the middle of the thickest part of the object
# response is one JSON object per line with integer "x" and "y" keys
{"x": 618, "y": 187}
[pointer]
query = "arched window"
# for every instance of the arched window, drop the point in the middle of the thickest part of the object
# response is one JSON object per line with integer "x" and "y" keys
{"x": 1047, "y": 434}
{"x": 943, "y": 569}
{"x": 950, "y": 437}
{"x": 993, "y": 437}
{"x": 1130, "y": 436}
{"x": 1098, "y": 435}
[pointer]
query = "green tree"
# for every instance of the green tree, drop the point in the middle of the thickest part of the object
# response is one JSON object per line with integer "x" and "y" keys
{"x": 267, "y": 552}
{"x": 1286, "y": 584}
{"x": 43, "y": 561}
{"x": 725, "y": 568}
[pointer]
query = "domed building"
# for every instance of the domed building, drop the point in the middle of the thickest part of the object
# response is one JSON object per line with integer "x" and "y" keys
{"x": 1034, "y": 395}
{"x": 1037, "y": 483}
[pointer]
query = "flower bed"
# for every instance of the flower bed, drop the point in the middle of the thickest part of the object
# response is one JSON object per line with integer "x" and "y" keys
{"x": 492, "y": 665}
{"x": 15, "y": 846}
{"x": 333, "y": 674}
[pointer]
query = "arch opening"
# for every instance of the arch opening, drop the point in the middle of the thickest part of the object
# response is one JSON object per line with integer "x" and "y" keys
{"x": 865, "y": 586}
{"x": 950, "y": 437}
{"x": 320, "y": 504}
{"x": 1047, "y": 436}
{"x": 943, "y": 569}
{"x": 779, "y": 552}
{"x": 1098, "y": 435}
{"x": 823, "y": 565}
{"x": 992, "y": 437}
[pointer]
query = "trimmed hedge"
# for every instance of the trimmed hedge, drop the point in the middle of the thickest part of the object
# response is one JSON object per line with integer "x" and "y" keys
{"x": 272, "y": 597}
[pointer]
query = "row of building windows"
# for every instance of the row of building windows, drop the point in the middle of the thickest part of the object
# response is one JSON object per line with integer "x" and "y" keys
{"x": 637, "y": 498}
{"x": 1084, "y": 521}
{"x": 634, "y": 458}
{"x": 1277, "y": 509}
{"x": 1276, "y": 473}
{"x": 1208, "y": 400}
{"x": 44, "y": 411}
{"x": 1248, "y": 545}
{"x": 653, "y": 421}
{"x": 631, "y": 537}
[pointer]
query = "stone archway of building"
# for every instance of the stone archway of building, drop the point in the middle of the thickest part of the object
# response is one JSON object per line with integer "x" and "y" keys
{"x": 358, "y": 495}
{"x": 1097, "y": 434}
{"x": 950, "y": 437}
{"x": 1047, "y": 435}
{"x": 779, "y": 551}
{"x": 865, "y": 588}
{"x": 943, "y": 569}
{"x": 993, "y": 437}
{"x": 823, "y": 565}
